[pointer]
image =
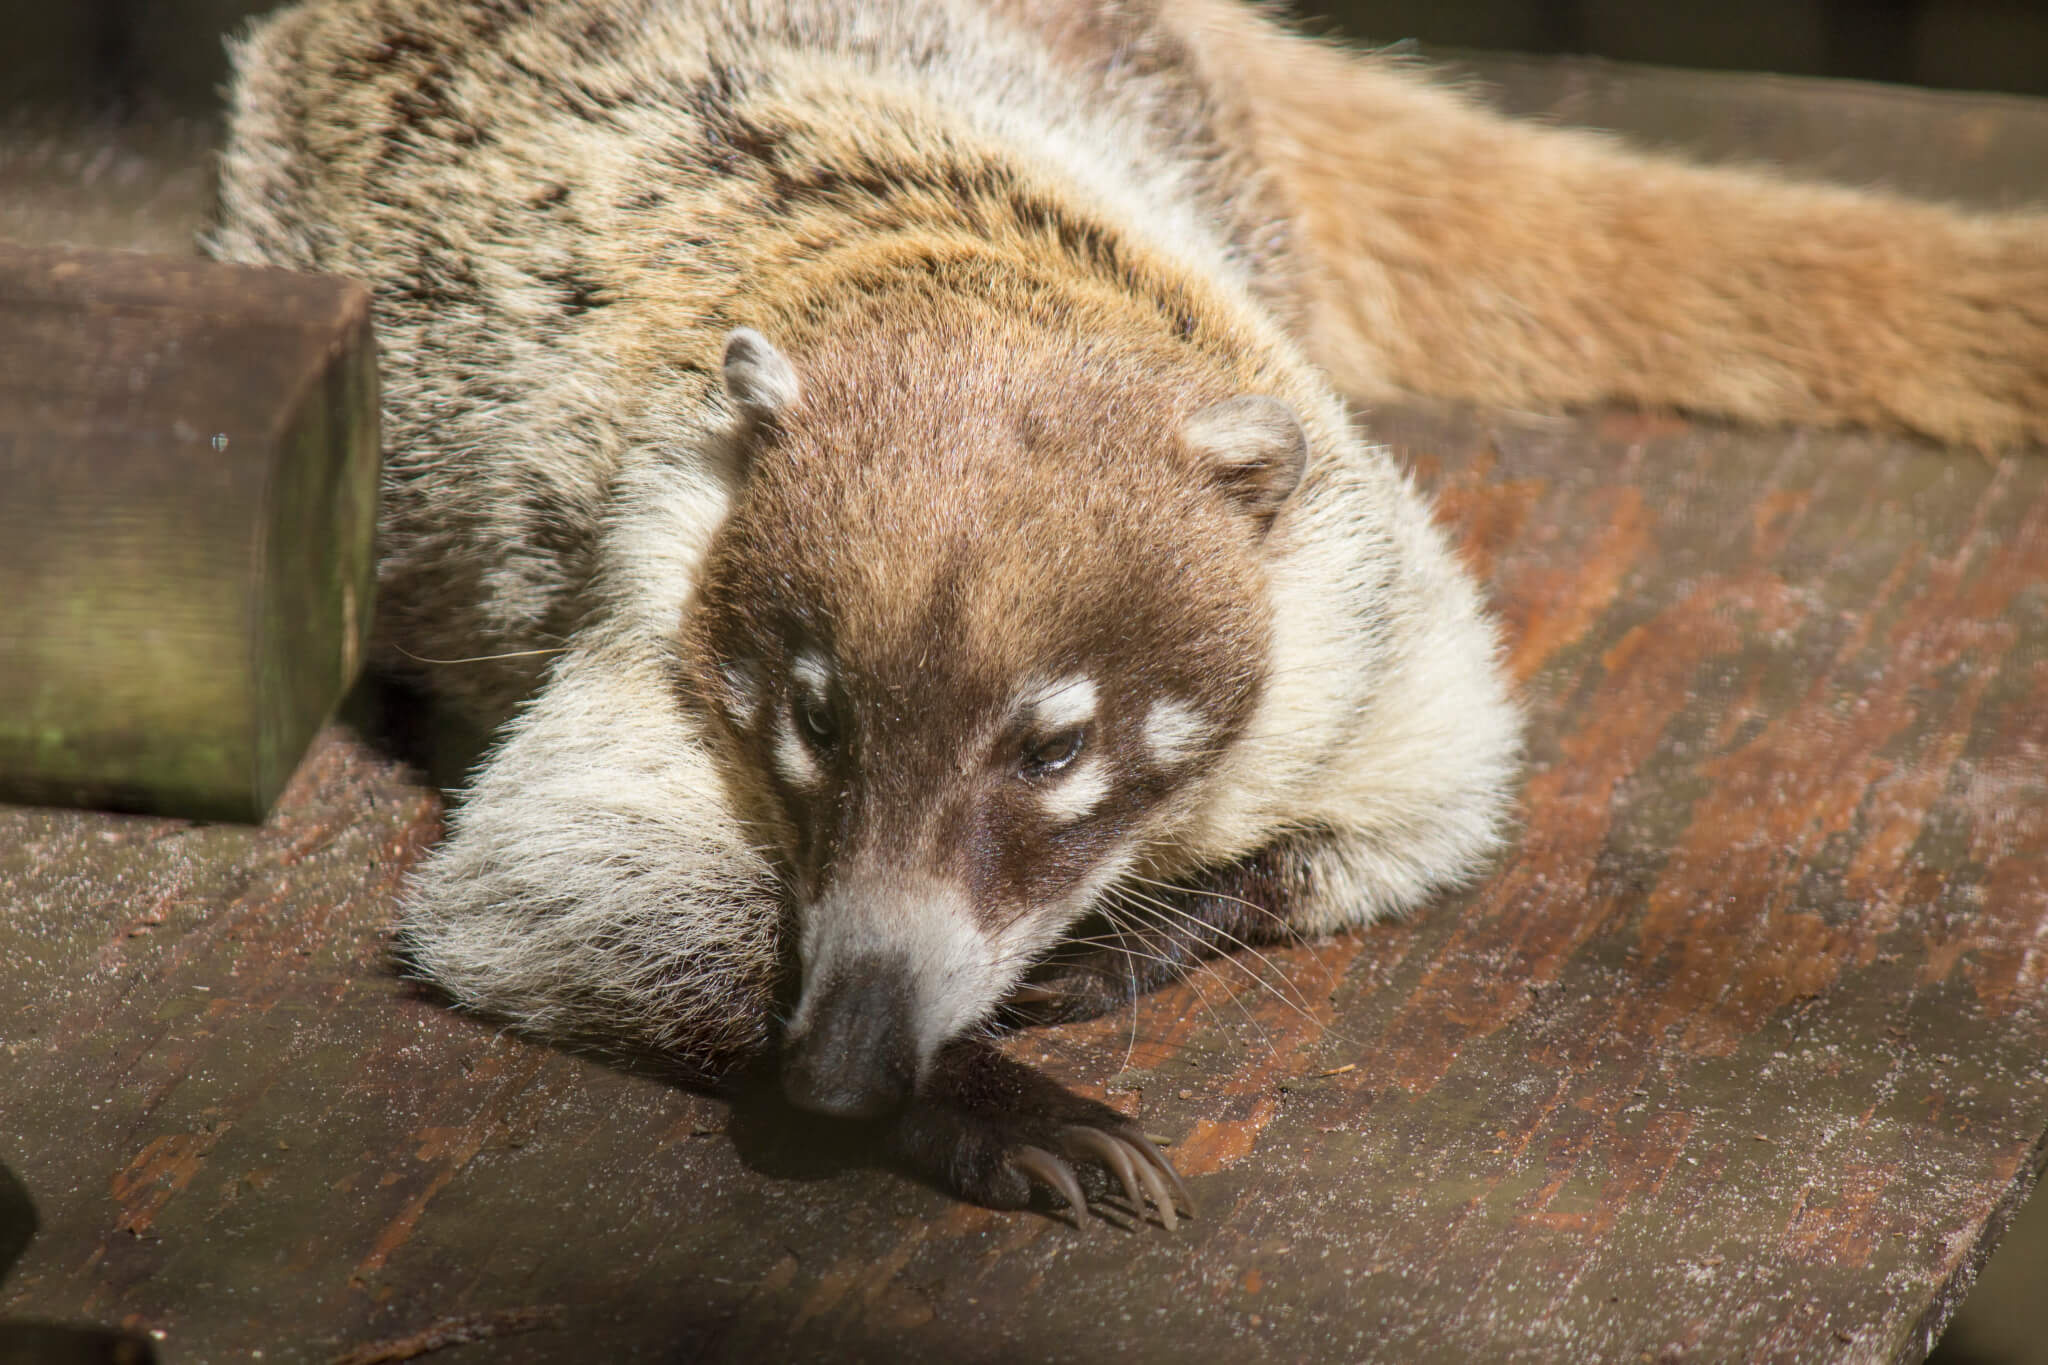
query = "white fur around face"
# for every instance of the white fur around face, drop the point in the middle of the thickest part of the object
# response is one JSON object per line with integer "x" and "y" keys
{"x": 1070, "y": 795}
{"x": 812, "y": 675}
{"x": 1385, "y": 718}
{"x": 793, "y": 758}
{"x": 1063, "y": 705}
{"x": 1173, "y": 731}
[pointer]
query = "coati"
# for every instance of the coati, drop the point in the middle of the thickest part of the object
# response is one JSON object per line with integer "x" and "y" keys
{"x": 883, "y": 465}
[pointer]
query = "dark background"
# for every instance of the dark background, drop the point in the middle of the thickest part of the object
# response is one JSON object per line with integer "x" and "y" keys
{"x": 141, "y": 55}
{"x": 1997, "y": 45}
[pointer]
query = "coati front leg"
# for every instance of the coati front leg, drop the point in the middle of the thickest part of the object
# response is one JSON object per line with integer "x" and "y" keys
{"x": 992, "y": 1130}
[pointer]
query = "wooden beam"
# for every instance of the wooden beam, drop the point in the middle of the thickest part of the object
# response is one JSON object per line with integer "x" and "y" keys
{"x": 188, "y": 453}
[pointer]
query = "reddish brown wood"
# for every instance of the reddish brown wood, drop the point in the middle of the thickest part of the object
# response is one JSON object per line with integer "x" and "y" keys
{"x": 1741, "y": 1053}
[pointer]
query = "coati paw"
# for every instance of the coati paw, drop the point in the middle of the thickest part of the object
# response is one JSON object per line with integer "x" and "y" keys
{"x": 1145, "y": 1173}
{"x": 994, "y": 1131}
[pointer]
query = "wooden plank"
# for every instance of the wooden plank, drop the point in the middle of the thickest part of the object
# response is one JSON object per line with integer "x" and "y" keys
{"x": 1742, "y": 1053}
{"x": 190, "y": 457}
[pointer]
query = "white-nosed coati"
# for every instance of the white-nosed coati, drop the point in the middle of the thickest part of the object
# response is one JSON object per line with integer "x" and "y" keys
{"x": 888, "y": 458}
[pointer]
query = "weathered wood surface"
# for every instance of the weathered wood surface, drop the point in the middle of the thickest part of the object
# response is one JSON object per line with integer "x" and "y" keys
{"x": 1741, "y": 1053}
{"x": 188, "y": 453}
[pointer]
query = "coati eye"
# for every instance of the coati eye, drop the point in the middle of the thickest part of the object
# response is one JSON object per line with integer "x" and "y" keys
{"x": 1049, "y": 755}
{"x": 814, "y": 714}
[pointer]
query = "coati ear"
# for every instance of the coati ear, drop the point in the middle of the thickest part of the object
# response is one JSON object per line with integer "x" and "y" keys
{"x": 757, "y": 376}
{"x": 1255, "y": 449}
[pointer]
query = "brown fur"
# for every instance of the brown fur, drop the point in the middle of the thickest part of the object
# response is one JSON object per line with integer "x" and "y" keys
{"x": 865, "y": 530}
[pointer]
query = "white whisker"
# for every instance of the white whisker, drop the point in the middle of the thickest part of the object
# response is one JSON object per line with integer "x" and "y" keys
{"x": 482, "y": 658}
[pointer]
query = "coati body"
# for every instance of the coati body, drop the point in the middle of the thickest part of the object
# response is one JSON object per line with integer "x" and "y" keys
{"x": 886, "y": 462}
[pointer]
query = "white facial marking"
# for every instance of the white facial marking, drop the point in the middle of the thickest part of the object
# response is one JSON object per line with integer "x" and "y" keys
{"x": 1063, "y": 705}
{"x": 1173, "y": 731}
{"x": 1069, "y": 796}
{"x": 812, "y": 675}
{"x": 793, "y": 757}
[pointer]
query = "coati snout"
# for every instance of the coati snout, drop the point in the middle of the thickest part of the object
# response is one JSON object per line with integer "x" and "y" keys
{"x": 852, "y": 1051}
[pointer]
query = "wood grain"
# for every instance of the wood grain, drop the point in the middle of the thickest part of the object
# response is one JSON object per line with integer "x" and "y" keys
{"x": 1742, "y": 1053}
{"x": 189, "y": 456}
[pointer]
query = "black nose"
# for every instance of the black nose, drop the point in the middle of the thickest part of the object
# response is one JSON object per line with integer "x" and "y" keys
{"x": 856, "y": 1057}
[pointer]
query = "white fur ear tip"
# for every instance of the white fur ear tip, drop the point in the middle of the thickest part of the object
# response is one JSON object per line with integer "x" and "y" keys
{"x": 758, "y": 376}
{"x": 1247, "y": 411}
{"x": 1255, "y": 445}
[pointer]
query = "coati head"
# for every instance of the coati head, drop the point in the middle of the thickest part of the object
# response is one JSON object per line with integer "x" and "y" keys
{"x": 984, "y": 613}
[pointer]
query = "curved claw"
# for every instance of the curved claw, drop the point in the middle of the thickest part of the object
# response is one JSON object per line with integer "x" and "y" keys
{"x": 1093, "y": 1142}
{"x": 1053, "y": 1173}
{"x": 1156, "y": 1160}
{"x": 1138, "y": 1164}
{"x": 1162, "y": 1198}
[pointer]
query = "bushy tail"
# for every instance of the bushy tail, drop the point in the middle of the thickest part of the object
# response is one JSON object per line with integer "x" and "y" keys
{"x": 1458, "y": 253}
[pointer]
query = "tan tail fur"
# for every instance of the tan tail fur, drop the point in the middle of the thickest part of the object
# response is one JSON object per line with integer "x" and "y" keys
{"x": 1462, "y": 254}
